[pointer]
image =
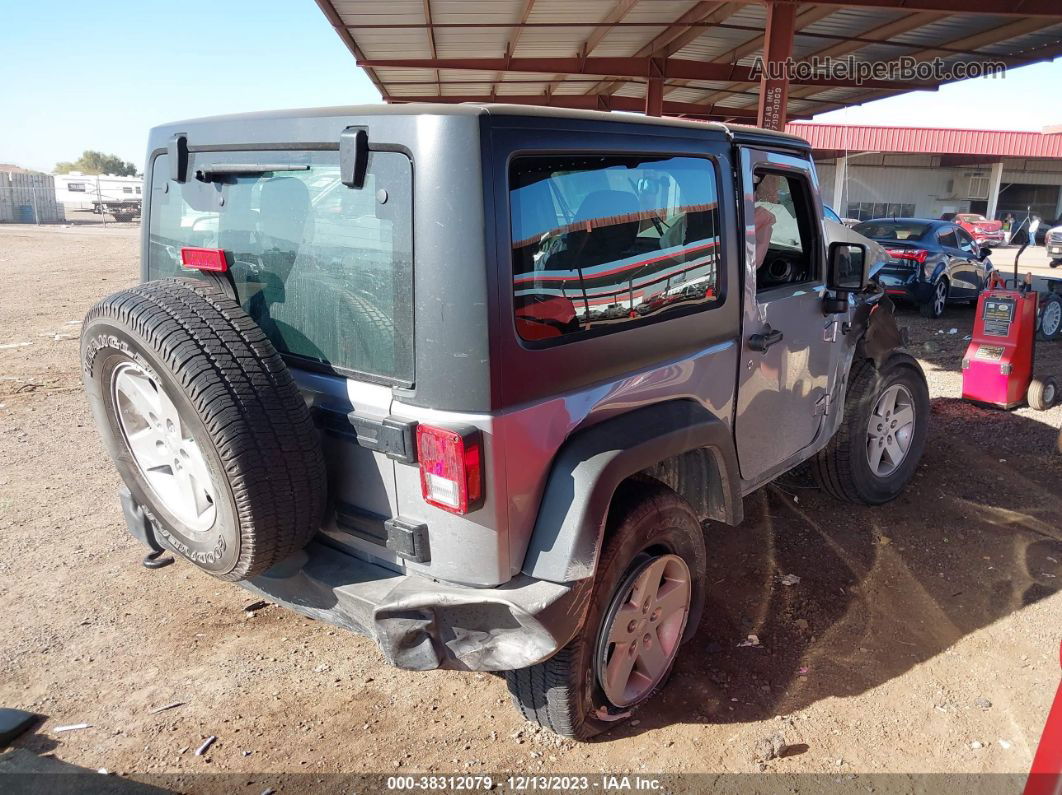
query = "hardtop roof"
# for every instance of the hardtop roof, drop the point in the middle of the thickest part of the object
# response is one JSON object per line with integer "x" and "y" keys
{"x": 740, "y": 133}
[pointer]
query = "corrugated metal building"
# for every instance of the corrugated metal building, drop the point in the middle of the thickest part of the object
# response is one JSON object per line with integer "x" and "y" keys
{"x": 27, "y": 197}
{"x": 874, "y": 171}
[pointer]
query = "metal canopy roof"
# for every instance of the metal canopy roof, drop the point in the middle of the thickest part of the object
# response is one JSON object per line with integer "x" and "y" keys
{"x": 600, "y": 54}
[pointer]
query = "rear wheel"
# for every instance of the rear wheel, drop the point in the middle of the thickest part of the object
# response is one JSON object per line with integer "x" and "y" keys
{"x": 877, "y": 448}
{"x": 934, "y": 307}
{"x": 1042, "y": 393}
{"x": 646, "y": 600}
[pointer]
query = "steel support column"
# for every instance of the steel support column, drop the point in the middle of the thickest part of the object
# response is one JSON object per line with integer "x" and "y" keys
{"x": 993, "y": 189}
{"x": 777, "y": 49}
{"x": 654, "y": 91}
{"x": 840, "y": 178}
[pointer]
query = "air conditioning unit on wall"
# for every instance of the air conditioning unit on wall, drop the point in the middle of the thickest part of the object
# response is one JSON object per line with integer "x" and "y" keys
{"x": 978, "y": 187}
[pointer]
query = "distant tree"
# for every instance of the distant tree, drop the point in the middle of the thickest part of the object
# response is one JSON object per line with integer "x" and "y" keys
{"x": 92, "y": 162}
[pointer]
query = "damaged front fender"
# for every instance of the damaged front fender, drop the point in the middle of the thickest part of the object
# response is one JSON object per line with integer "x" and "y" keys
{"x": 874, "y": 326}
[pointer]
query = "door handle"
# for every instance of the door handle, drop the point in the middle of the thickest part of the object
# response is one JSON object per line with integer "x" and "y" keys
{"x": 761, "y": 342}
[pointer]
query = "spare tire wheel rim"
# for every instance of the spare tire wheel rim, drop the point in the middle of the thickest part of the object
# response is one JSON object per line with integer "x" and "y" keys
{"x": 890, "y": 430}
{"x": 643, "y": 629}
{"x": 162, "y": 447}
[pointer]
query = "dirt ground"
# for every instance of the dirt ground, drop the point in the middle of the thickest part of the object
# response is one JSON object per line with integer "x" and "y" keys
{"x": 922, "y": 636}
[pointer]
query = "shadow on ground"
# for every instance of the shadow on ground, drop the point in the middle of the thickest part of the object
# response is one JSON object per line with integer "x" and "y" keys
{"x": 22, "y": 771}
{"x": 974, "y": 538}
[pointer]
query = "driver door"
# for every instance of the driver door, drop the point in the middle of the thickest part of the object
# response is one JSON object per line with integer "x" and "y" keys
{"x": 788, "y": 350}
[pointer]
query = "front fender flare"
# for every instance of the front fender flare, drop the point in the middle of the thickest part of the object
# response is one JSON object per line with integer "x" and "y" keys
{"x": 567, "y": 538}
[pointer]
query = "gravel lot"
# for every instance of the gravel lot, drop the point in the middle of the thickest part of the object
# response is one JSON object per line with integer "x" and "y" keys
{"x": 922, "y": 636}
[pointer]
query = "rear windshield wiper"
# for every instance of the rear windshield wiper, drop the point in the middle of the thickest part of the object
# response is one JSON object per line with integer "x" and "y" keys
{"x": 211, "y": 172}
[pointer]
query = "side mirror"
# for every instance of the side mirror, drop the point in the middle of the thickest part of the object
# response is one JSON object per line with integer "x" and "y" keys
{"x": 985, "y": 252}
{"x": 845, "y": 268}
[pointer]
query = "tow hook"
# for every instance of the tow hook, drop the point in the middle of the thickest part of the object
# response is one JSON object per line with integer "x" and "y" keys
{"x": 154, "y": 560}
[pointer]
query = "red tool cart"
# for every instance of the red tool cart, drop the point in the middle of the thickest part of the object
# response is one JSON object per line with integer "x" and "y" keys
{"x": 997, "y": 369}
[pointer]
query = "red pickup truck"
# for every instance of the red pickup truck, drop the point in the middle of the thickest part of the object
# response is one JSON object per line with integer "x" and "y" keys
{"x": 983, "y": 231}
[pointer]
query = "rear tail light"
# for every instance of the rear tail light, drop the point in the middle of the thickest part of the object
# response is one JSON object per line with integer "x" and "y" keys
{"x": 451, "y": 468}
{"x": 918, "y": 255}
{"x": 204, "y": 259}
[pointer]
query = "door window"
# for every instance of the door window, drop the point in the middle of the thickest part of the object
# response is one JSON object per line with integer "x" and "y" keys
{"x": 602, "y": 244}
{"x": 946, "y": 238}
{"x": 966, "y": 243}
{"x": 785, "y": 248}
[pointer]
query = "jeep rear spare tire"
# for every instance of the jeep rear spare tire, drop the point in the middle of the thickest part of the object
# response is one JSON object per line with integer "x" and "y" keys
{"x": 205, "y": 425}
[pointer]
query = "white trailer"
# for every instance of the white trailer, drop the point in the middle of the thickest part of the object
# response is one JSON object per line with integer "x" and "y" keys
{"x": 100, "y": 193}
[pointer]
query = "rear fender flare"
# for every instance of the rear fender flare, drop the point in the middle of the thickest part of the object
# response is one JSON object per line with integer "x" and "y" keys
{"x": 569, "y": 530}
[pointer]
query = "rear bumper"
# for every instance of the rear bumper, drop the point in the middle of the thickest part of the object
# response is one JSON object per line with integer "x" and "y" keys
{"x": 420, "y": 624}
{"x": 906, "y": 285}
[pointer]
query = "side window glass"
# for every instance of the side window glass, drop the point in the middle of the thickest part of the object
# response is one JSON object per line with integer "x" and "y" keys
{"x": 946, "y": 238}
{"x": 601, "y": 244}
{"x": 785, "y": 246}
{"x": 966, "y": 242}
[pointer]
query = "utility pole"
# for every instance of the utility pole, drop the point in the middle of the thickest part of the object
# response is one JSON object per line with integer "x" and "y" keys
{"x": 99, "y": 201}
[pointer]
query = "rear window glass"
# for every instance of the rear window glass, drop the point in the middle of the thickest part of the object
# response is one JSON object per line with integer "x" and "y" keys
{"x": 605, "y": 243}
{"x": 325, "y": 270}
{"x": 892, "y": 230}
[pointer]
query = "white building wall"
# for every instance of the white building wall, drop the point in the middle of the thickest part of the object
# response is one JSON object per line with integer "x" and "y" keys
{"x": 921, "y": 180}
{"x": 930, "y": 190}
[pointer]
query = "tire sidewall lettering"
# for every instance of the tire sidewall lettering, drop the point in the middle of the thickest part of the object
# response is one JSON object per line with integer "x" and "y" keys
{"x": 214, "y": 552}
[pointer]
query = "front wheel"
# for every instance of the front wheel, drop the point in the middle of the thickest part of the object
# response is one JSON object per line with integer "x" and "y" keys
{"x": 876, "y": 450}
{"x": 646, "y": 600}
{"x": 1051, "y": 317}
{"x": 934, "y": 307}
{"x": 1042, "y": 393}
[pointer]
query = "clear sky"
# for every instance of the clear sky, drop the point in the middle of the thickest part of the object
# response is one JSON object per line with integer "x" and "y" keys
{"x": 96, "y": 75}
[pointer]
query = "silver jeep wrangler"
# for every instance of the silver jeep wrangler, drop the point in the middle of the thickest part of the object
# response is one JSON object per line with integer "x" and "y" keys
{"x": 469, "y": 379}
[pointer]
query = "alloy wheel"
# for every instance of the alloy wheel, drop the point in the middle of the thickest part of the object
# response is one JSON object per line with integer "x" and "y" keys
{"x": 168, "y": 457}
{"x": 1051, "y": 318}
{"x": 940, "y": 298}
{"x": 643, "y": 629}
{"x": 890, "y": 430}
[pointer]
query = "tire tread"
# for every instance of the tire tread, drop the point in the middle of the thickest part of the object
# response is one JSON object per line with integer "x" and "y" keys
{"x": 249, "y": 404}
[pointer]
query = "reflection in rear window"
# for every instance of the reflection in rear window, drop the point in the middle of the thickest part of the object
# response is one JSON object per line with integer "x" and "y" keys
{"x": 603, "y": 243}
{"x": 324, "y": 269}
{"x": 892, "y": 230}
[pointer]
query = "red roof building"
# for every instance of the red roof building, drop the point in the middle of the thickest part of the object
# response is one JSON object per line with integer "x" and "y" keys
{"x": 870, "y": 171}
